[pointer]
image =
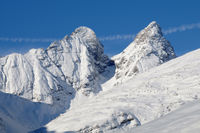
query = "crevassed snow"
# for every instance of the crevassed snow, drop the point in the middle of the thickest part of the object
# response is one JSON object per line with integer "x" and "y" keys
{"x": 145, "y": 97}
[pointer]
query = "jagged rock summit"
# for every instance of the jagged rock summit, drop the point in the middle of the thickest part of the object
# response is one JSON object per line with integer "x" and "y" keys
{"x": 68, "y": 65}
{"x": 149, "y": 49}
{"x": 81, "y": 59}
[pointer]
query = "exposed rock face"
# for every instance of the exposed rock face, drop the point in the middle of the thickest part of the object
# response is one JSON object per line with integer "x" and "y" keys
{"x": 80, "y": 57}
{"x": 149, "y": 49}
{"x": 70, "y": 64}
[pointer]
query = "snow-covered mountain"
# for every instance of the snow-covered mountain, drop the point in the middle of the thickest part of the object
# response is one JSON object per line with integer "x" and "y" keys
{"x": 53, "y": 76}
{"x": 74, "y": 86}
{"x": 149, "y": 49}
{"x": 80, "y": 57}
{"x": 70, "y": 64}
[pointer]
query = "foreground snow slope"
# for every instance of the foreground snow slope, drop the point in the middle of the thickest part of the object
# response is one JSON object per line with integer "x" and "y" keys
{"x": 19, "y": 115}
{"x": 184, "y": 120}
{"x": 143, "y": 98}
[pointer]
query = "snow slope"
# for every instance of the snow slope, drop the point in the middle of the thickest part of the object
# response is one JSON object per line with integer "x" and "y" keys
{"x": 145, "y": 97}
{"x": 19, "y": 115}
{"x": 184, "y": 120}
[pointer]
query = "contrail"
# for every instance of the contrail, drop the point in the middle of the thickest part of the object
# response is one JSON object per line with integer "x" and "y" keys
{"x": 165, "y": 32}
{"x": 106, "y": 38}
{"x": 33, "y": 40}
{"x": 181, "y": 28}
{"x": 117, "y": 37}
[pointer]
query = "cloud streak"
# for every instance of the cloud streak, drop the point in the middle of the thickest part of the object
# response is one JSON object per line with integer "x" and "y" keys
{"x": 32, "y": 40}
{"x": 181, "y": 28}
{"x": 168, "y": 31}
{"x": 165, "y": 32}
{"x": 117, "y": 37}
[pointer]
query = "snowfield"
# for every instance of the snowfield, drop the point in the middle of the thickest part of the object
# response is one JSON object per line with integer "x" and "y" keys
{"x": 184, "y": 120}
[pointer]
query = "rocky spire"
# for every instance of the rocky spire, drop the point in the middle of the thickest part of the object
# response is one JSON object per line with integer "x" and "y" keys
{"x": 149, "y": 49}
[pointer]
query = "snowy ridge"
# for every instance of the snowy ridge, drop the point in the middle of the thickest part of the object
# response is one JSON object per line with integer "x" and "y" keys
{"x": 149, "y": 49}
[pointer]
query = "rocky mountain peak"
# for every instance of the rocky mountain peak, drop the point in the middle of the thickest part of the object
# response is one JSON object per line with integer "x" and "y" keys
{"x": 86, "y": 34}
{"x": 89, "y": 39}
{"x": 84, "y": 55}
{"x": 84, "y": 31}
{"x": 149, "y": 49}
{"x": 153, "y": 24}
{"x": 151, "y": 31}
{"x": 66, "y": 66}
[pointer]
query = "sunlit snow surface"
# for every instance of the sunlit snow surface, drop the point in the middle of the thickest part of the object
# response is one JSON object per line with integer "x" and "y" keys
{"x": 184, "y": 120}
{"x": 145, "y": 97}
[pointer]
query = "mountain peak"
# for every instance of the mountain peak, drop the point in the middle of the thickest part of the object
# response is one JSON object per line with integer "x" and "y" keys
{"x": 83, "y": 28}
{"x": 81, "y": 59}
{"x": 153, "y": 24}
{"x": 71, "y": 64}
{"x": 152, "y": 30}
{"x": 149, "y": 49}
{"x": 88, "y": 37}
{"x": 84, "y": 31}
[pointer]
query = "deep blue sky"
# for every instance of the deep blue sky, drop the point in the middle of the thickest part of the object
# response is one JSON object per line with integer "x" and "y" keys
{"x": 56, "y": 18}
